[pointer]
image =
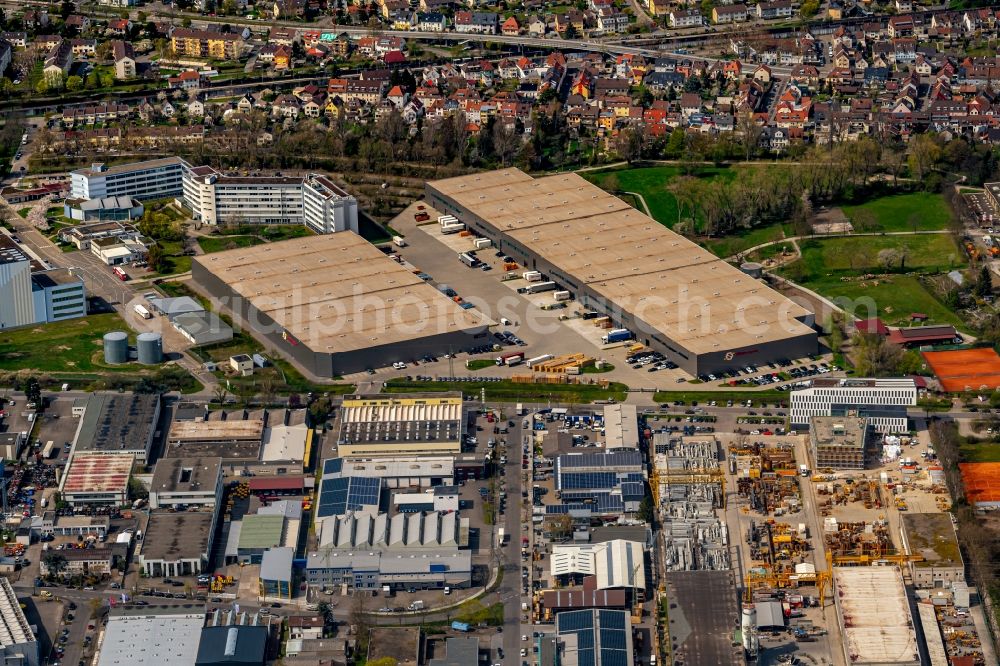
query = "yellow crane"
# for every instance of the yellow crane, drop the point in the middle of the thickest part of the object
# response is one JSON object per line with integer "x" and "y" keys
{"x": 769, "y": 578}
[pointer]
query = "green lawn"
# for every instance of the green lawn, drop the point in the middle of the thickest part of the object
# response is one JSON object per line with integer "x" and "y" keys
{"x": 210, "y": 244}
{"x": 731, "y": 245}
{"x": 66, "y": 346}
{"x": 651, "y": 183}
{"x": 23, "y": 212}
{"x": 176, "y": 262}
{"x": 929, "y": 252}
{"x": 980, "y": 451}
{"x": 892, "y": 300}
{"x": 920, "y": 211}
{"x": 735, "y": 394}
{"x": 507, "y": 391}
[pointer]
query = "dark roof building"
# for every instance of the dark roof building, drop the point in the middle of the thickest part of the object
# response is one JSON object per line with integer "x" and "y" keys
{"x": 234, "y": 646}
{"x": 923, "y": 335}
{"x": 872, "y": 327}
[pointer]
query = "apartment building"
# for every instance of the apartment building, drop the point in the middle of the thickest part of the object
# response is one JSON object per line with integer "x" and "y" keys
{"x": 206, "y": 44}
{"x": 314, "y": 200}
{"x": 882, "y": 401}
{"x": 152, "y": 179}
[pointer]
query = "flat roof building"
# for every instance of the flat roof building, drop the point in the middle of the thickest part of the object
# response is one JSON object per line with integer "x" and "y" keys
{"x": 95, "y": 478}
{"x": 30, "y": 294}
{"x": 882, "y": 401}
{"x": 614, "y": 564}
{"x": 177, "y": 544}
{"x": 403, "y": 471}
{"x": 594, "y": 637}
{"x": 335, "y": 303}
{"x": 118, "y": 424}
{"x": 151, "y": 636}
{"x": 932, "y": 536}
{"x": 202, "y": 328}
{"x": 314, "y": 200}
{"x": 458, "y": 651}
{"x": 674, "y": 295}
{"x": 187, "y": 481}
{"x": 233, "y": 645}
{"x": 874, "y": 615}
{"x": 151, "y": 179}
{"x": 621, "y": 427}
{"x": 415, "y": 424}
{"x": 839, "y": 442}
{"x": 18, "y": 644}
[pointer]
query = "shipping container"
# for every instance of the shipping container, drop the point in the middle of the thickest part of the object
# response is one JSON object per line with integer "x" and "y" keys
{"x": 481, "y": 243}
{"x": 532, "y": 362}
{"x": 468, "y": 260}
{"x": 398, "y": 241}
{"x": 445, "y": 220}
{"x": 532, "y": 276}
{"x": 452, "y": 228}
{"x": 539, "y": 287}
{"x": 562, "y": 295}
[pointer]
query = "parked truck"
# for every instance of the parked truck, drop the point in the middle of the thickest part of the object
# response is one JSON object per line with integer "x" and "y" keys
{"x": 468, "y": 259}
{"x": 501, "y": 537}
{"x": 562, "y": 295}
{"x": 532, "y": 276}
{"x": 539, "y": 287}
{"x": 460, "y": 626}
{"x": 510, "y": 358}
{"x": 452, "y": 228}
{"x": 532, "y": 362}
{"x": 617, "y": 335}
{"x": 398, "y": 241}
{"x": 482, "y": 243}
{"x": 142, "y": 312}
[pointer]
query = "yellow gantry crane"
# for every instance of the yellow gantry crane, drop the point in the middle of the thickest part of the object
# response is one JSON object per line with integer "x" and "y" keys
{"x": 769, "y": 578}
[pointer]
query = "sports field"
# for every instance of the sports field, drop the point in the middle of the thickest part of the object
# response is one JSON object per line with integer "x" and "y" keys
{"x": 966, "y": 369}
{"x": 981, "y": 481}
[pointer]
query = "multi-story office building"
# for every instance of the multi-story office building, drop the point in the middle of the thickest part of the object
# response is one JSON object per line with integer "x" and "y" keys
{"x": 883, "y": 402}
{"x": 30, "y": 295}
{"x": 152, "y": 179}
{"x": 215, "y": 198}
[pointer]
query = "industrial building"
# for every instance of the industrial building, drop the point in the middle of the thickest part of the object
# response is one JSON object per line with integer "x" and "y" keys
{"x": 340, "y": 492}
{"x": 594, "y": 637}
{"x": 932, "y": 536}
{"x": 614, "y": 564}
{"x": 874, "y": 616}
{"x": 840, "y": 442}
{"x": 81, "y": 235}
{"x": 403, "y": 471}
{"x": 610, "y": 482}
{"x": 202, "y": 328}
{"x": 177, "y": 544}
{"x": 151, "y": 636}
{"x": 365, "y": 530}
{"x": 96, "y": 478}
{"x": 882, "y": 401}
{"x": 30, "y": 294}
{"x": 233, "y": 645}
{"x": 675, "y": 296}
{"x": 313, "y": 200}
{"x": 412, "y": 424}
{"x": 621, "y": 427}
{"x": 152, "y": 179}
{"x": 371, "y": 570}
{"x": 18, "y": 644}
{"x": 118, "y": 424}
{"x": 186, "y": 481}
{"x": 335, "y": 304}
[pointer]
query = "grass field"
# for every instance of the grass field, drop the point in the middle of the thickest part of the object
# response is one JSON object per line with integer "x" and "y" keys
{"x": 891, "y": 300}
{"x": 210, "y": 244}
{"x": 23, "y": 212}
{"x": 651, "y": 183}
{"x": 731, "y": 245}
{"x": 979, "y": 451}
{"x": 920, "y": 211}
{"x": 73, "y": 345}
{"x": 506, "y": 391}
{"x": 689, "y": 397}
{"x": 931, "y": 252}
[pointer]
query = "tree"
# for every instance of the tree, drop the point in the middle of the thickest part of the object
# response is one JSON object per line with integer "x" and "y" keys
{"x": 33, "y": 391}
{"x": 629, "y": 144}
{"x": 888, "y": 258}
{"x": 984, "y": 283}
{"x": 42, "y": 87}
{"x": 55, "y": 562}
{"x": 646, "y": 513}
{"x": 809, "y": 8}
{"x": 924, "y": 154}
{"x": 220, "y": 393}
{"x": 156, "y": 258}
{"x": 74, "y": 83}
{"x": 749, "y": 131}
{"x": 875, "y": 356}
{"x": 864, "y": 221}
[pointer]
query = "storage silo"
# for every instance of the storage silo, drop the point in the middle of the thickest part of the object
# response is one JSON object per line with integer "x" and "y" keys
{"x": 116, "y": 347}
{"x": 150, "y": 348}
{"x": 753, "y": 269}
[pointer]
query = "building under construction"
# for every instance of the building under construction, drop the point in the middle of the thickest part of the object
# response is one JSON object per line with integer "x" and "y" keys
{"x": 838, "y": 442}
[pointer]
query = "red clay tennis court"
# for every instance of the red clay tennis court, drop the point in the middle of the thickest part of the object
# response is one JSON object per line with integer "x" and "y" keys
{"x": 966, "y": 369}
{"x": 981, "y": 481}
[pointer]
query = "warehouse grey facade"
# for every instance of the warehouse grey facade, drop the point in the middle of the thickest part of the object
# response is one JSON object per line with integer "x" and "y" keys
{"x": 675, "y": 296}
{"x": 335, "y": 304}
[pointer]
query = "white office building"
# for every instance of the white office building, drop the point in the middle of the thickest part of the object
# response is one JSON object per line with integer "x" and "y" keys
{"x": 316, "y": 201}
{"x": 152, "y": 179}
{"x": 30, "y": 296}
{"x": 882, "y": 401}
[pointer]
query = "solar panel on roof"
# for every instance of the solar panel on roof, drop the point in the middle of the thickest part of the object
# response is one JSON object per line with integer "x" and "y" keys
{"x": 352, "y": 493}
{"x": 333, "y": 466}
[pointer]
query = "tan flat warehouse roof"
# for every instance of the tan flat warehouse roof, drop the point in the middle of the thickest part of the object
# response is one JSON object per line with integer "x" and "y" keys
{"x": 338, "y": 292}
{"x": 664, "y": 279}
{"x": 196, "y": 431}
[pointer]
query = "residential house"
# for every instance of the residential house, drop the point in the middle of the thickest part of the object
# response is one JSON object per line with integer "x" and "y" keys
{"x": 83, "y": 47}
{"x": 610, "y": 20}
{"x": 778, "y": 9}
{"x": 288, "y": 9}
{"x": 189, "y": 79}
{"x": 510, "y": 27}
{"x": 58, "y": 62}
{"x": 536, "y": 27}
{"x": 483, "y": 23}
{"x": 206, "y": 44}
{"x": 431, "y": 22}
{"x": 730, "y": 14}
{"x": 124, "y": 56}
{"x": 685, "y": 18}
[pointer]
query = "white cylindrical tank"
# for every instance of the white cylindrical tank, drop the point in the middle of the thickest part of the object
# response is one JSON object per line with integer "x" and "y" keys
{"x": 149, "y": 347}
{"x": 116, "y": 347}
{"x": 748, "y": 629}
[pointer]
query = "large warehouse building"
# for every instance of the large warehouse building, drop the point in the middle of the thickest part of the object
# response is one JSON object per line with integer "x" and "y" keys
{"x": 336, "y": 303}
{"x": 677, "y": 297}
